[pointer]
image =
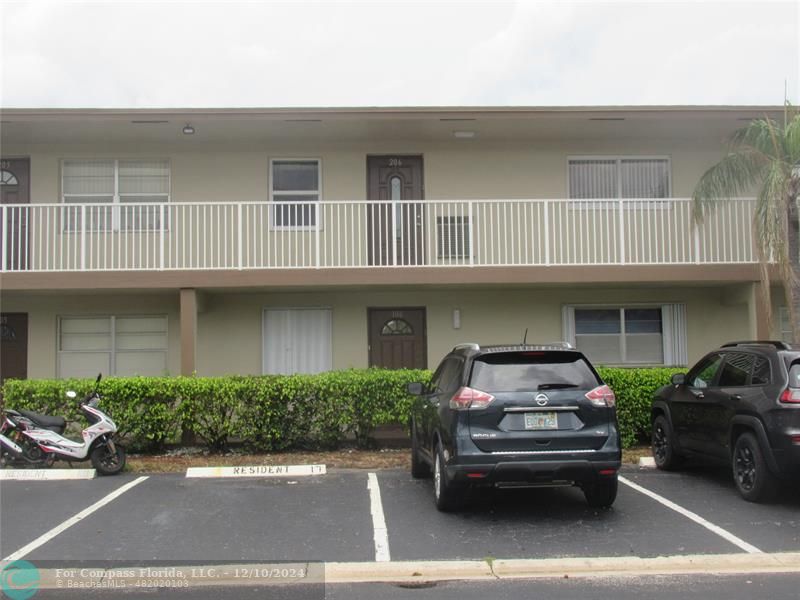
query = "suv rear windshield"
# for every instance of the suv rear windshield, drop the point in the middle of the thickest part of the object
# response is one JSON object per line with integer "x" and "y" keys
{"x": 531, "y": 371}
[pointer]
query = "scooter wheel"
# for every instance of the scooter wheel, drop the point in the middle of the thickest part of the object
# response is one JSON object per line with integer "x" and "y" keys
{"x": 107, "y": 462}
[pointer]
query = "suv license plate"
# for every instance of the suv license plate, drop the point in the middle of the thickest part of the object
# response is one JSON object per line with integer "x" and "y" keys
{"x": 541, "y": 420}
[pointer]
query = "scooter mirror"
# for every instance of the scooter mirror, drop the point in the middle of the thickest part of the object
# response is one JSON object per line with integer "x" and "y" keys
{"x": 99, "y": 377}
{"x": 71, "y": 394}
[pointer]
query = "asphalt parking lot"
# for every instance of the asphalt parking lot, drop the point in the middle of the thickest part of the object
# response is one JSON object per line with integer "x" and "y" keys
{"x": 330, "y": 518}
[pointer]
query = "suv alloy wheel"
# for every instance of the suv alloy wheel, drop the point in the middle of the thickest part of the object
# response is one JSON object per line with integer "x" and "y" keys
{"x": 663, "y": 445}
{"x": 751, "y": 474}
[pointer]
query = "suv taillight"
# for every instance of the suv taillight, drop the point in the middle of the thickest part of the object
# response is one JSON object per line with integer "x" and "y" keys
{"x": 602, "y": 396}
{"x": 790, "y": 396}
{"x": 467, "y": 398}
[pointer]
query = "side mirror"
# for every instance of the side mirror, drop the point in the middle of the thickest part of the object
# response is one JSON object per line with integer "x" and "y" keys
{"x": 415, "y": 388}
{"x": 71, "y": 394}
{"x": 679, "y": 379}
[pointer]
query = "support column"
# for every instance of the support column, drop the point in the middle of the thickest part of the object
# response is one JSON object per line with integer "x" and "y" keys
{"x": 188, "y": 331}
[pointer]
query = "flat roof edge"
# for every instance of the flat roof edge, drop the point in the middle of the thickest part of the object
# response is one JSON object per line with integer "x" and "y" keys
{"x": 386, "y": 111}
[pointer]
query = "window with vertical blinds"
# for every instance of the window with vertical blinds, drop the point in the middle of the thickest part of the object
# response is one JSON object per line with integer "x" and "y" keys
{"x": 132, "y": 182}
{"x": 621, "y": 177}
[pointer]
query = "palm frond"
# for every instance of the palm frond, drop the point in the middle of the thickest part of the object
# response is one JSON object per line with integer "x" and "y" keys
{"x": 771, "y": 216}
{"x": 737, "y": 173}
{"x": 792, "y": 140}
{"x": 764, "y": 136}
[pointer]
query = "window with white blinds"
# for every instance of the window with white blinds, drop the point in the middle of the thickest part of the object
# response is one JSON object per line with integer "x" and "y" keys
{"x": 130, "y": 183}
{"x": 297, "y": 340}
{"x": 112, "y": 345}
{"x": 619, "y": 177}
{"x": 628, "y": 335}
{"x": 295, "y": 192}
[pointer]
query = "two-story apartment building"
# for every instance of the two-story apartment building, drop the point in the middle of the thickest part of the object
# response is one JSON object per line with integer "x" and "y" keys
{"x": 224, "y": 241}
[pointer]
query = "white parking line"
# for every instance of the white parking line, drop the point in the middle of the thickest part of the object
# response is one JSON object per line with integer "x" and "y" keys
{"x": 726, "y": 535}
{"x": 378, "y": 520}
{"x": 43, "y": 539}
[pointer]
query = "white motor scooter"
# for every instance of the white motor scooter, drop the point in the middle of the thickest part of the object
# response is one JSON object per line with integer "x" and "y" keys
{"x": 42, "y": 434}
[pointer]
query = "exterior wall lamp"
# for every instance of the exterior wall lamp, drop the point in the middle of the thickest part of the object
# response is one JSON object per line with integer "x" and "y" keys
{"x": 456, "y": 318}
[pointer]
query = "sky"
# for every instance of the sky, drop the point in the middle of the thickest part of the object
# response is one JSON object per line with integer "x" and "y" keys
{"x": 388, "y": 53}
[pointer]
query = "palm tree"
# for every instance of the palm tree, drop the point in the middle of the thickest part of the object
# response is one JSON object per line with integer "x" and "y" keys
{"x": 764, "y": 157}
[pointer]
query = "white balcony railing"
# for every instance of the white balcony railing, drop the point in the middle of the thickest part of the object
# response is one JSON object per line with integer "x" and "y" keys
{"x": 363, "y": 234}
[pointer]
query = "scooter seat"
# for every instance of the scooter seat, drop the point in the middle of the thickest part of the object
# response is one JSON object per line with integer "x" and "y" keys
{"x": 56, "y": 424}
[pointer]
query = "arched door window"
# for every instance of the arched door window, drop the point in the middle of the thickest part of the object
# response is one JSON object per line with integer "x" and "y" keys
{"x": 8, "y": 178}
{"x": 397, "y": 327}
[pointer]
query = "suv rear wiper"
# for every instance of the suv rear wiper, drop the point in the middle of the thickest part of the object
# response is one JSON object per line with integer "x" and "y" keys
{"x": 556, "y": 386}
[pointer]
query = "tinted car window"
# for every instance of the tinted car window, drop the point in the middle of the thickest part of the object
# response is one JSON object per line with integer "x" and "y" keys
{"x": 737, "y": 368}
{"x": 530, "y": 371}
{"x": 761, "y": 372}
{"x": 703, "y": 374}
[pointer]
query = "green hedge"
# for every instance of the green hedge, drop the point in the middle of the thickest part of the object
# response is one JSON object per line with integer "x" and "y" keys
{"x": 264, "y": 413}
{"x": 634, "y": 389}
{"x": 280, "y": 412}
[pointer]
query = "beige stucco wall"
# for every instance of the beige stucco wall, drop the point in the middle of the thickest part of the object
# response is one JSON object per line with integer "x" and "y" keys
{"x": 44, "y": 310}
{"x": 230, "y": 325}
{"x": 453, "y": 170}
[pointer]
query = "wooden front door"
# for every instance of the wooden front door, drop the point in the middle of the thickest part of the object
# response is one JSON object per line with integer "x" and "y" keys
{"x": 397, "y": 338}
{"x": 15, "y": 189}
{"x": 13, "y": 346}
{"x": 395, "y": 225}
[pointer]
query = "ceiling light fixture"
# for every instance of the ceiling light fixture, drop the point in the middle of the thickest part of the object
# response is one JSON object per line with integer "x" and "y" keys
{"x": 464, "y": 134}
{"x": 188, "y": 130}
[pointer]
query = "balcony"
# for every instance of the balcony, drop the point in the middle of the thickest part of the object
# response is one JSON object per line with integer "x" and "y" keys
{"x": 369, "y": 234}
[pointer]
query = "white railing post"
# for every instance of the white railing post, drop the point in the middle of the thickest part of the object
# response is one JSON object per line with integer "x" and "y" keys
{"x": 318, "y": 212}
{"x": 696, "y": 229}
{"x": 470, "y": 229}
{"x": 621, "y": 225}
{"x": 393, "y": 233}
{"x": 239, "y": 237}
{"x": 83, "y": 237}
{"x": 161, "y": 236}
{"x": 5, "y": 266}
{"x": 547, "y": 232}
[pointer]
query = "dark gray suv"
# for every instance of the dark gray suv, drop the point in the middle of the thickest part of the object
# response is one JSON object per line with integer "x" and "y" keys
{"x": 740, "y": 406}
{"x": 515, "y": 416}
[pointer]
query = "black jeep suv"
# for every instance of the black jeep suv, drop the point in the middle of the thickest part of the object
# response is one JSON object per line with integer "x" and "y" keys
{"x": 740, "y": 405}
{"x": 515, "y": 416}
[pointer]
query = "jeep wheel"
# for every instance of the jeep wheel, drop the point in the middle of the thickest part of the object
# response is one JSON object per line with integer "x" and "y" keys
{"x": 751, "y": 474}
{"x": 663, "y": 445}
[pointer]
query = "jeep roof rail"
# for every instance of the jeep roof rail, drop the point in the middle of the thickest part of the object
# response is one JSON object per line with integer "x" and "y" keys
{"x": 775, "y": 343}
